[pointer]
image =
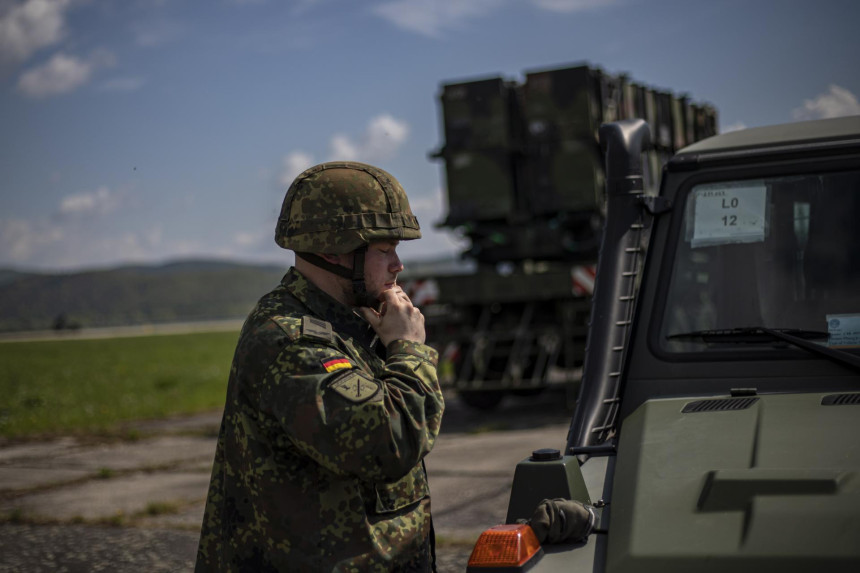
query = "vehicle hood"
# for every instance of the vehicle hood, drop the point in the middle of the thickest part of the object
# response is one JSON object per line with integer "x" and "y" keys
{"x": 738, "y": 484}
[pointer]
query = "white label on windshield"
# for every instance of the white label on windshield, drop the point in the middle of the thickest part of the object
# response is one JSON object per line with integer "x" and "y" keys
{"x": 725, "y": 215}
{"x": 844, "y": 330}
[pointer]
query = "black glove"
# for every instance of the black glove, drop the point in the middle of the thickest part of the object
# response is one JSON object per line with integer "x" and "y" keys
{"x": 562, "y": 520}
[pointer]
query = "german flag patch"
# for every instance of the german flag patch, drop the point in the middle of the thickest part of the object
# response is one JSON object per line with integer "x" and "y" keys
{"x": 336, "y": 364}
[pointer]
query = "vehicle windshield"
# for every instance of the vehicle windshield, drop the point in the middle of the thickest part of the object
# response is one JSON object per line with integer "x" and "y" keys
{"x": 781, "y": 253}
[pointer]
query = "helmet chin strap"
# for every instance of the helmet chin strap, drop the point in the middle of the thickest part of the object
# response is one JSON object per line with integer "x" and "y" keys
{"x": 359, "y": 289}
{"x": 355, "y": 275}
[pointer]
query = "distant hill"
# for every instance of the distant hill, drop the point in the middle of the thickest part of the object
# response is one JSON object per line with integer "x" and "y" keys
{"x": 7, "y": 276}
{"x": 176, "y": 292}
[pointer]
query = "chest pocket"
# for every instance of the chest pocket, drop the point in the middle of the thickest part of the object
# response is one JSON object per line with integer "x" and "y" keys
{"x": 410, "y": 489}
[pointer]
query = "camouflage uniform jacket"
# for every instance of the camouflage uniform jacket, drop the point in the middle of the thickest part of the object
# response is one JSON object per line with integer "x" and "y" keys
{"x": 319, "y": 459}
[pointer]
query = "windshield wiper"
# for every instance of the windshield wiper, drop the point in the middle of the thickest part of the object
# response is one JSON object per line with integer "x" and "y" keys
{"x": 796, "y": 336}
{"x": 750, "y": 334}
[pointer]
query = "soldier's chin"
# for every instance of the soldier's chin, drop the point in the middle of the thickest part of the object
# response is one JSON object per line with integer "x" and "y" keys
{"x": 377, "y": 302}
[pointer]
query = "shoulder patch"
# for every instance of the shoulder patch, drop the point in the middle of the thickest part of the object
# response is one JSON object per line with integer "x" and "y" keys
{"x": 355, "y": 387}
{"x": 290, "y": 325}
{"x": 316, "y": 328}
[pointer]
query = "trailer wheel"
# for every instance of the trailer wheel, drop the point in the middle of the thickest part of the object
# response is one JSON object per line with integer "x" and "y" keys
{"x": 484, "y": 400}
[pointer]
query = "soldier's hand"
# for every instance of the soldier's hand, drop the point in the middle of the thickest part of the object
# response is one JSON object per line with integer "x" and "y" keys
{"x": 396, "y": 319}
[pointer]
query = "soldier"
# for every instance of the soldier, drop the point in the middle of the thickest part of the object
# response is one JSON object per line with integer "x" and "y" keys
{"x": 333, "y": 399}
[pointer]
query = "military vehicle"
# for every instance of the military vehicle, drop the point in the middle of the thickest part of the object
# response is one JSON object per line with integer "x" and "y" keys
{"x": 525, "y": 186}
{"x": 718, "y": 420}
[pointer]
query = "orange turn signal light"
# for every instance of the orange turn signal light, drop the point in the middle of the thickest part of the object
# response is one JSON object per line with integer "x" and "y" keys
{"x": 506, "y": 547}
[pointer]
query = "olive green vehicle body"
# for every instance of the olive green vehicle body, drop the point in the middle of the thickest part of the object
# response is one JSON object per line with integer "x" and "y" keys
{"x": 525, "y": 189}
{"x": 719, "y": 459}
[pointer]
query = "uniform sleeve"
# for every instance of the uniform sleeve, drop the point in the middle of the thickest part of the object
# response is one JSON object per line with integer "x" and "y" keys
{"x": 349, "y": 421}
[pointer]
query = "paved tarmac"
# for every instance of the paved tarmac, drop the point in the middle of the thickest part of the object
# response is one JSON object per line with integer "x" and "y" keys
{"x": 76, "y": 505}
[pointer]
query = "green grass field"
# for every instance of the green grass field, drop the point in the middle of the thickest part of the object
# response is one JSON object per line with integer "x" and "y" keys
{"x": 93, "y": 386}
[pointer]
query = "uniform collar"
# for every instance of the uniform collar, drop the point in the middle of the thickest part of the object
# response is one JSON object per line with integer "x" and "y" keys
{"x": 344, "y": 319}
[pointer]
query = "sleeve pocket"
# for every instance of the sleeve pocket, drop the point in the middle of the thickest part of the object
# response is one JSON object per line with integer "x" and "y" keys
{"x": 392, "y": 497}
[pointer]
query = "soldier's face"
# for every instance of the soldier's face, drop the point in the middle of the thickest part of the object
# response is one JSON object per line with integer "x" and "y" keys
{"x": 381, "y": 267}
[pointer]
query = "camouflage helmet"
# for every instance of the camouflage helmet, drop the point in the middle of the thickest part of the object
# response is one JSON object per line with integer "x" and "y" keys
{"x": 340, "y": 206}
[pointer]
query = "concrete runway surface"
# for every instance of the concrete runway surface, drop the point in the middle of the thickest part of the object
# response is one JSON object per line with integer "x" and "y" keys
{"x": 75, "y": 505}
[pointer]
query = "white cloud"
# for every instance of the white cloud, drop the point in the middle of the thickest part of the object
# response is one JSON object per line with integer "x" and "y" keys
{"x": 432, "y": 17}
{"x": 434, "y": 243}
{"x": 381, "y": 139}
{"x": 62, "y": 74}
{"x": 20, "y": 240}
{"x": 247, "y": 239}
{"x": 30, "y": 25}
{"x": 293, "y": 164}
{"x": 100, "y": 201}
{"x": 570, "y": 6}
{"x": 67, "y": 243}
{"x": 384, "y": 136}
{"x": 427, "y": 207}
{"x": 342, "y": 148}
{"x": 837, "y": 102}
{"x": 59, "y": 75}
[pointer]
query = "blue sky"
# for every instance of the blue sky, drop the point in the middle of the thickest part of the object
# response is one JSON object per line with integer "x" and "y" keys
{"x": 153, "y": 130}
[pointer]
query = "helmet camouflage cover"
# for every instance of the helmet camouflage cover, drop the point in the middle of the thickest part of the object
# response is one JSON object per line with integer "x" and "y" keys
{"x": 337, "y": 207}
